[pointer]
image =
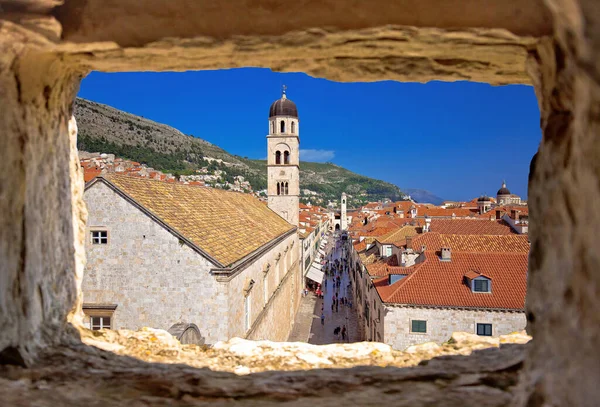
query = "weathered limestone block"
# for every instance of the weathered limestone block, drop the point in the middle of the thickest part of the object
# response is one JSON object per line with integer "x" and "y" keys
{"x": 267, "y": 373}
{"x": 563, "y": 298}
{"x": 37, "y": 241}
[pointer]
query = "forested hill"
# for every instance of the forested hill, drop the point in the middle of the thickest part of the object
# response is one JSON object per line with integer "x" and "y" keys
{"x": 108, "y": 130}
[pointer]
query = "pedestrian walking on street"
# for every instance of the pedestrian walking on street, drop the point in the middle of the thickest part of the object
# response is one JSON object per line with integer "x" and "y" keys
{"x": 322, "y": 319}
{"x": 344, "y": 333}
{"x": 336, "y": 307}
{"x": 332, "y": 305}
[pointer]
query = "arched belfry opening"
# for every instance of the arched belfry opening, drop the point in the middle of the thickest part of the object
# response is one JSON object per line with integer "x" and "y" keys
{"x": 286, "y": 157}
{"x": 278, "y": 157}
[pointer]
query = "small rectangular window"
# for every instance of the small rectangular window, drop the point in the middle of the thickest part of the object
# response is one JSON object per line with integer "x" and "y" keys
{"x": 97, "y": 323}
{"x": 418, "y": 326}
{"x": 484, "y": 329}
{"x": 481, "y": 286}
{"x": 99, "y": 237}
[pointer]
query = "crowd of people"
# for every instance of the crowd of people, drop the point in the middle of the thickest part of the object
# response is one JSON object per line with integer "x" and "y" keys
{"x": 334, "y": 269}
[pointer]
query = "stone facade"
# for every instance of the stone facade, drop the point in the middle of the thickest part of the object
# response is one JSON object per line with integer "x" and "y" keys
{"x": 395, "y": 326}
{"x": 157, "y": 280}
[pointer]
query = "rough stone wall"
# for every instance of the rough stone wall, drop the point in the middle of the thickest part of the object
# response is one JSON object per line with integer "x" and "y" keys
{"x": 38, "y": 188}
{"x": 441, "y": 323}
{"x": 487, "y": 41}
{"x": 272, "y": 319}
{"x": 563, "y": 298}
{"x": 154, "y": 280}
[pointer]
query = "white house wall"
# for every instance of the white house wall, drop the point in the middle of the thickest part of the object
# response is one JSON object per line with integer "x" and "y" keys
{"x": 441, "y": 322}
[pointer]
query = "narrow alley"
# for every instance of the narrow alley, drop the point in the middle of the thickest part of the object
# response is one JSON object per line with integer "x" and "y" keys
{"x": 308, "y": 326}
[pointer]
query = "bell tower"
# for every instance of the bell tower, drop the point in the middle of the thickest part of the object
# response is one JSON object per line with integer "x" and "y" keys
{"x": 343, "y": 215}
{"x": 283, "y": 159}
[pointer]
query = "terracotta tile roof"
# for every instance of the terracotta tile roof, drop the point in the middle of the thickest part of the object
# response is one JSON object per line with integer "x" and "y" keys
{"x": 226, "y": 225}
{"x": 470, "y": 227}
{"x": 434, "y": 241}
{"x": 486, "y": 243}
{"x": 384, "y": 267}
{"x": 398, "y": 236}
{"x": 360, "y": 246}
{"x": 431, "y": 240}
{"x": 439, "y": 283}
{"x": 439, "y": 212}
{"x": 89, "y": 174}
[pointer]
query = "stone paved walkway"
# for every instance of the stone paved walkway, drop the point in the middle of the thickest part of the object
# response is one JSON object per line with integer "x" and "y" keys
{"x": 307, "y": 326}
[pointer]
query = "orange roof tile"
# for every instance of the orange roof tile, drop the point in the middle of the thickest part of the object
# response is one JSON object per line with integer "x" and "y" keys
{"x": 470, "y": 227}
{"x": 441, "y": 283}
{"x": 434, "y": 241}
{"x": 226, "y": 225}
{"x": 398, "y": 236}
{"x": 90, "y": 174}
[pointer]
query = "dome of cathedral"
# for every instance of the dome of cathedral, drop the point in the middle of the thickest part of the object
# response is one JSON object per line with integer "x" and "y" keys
{"x": 484, "y": 198}
{"x": 283, "y": 107}
{"x": 503, "y": 190}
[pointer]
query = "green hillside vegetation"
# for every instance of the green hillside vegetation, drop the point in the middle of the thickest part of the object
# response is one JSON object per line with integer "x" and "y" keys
{"x": 108, "y": 130}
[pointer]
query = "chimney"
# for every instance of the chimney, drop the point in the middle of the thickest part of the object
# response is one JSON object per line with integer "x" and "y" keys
{"x": 498, "y": 215}
{"x": 423, "y": 248}
{"x": 427, "y": 224}
{"x": 515, "y": 214}
{"x": 409, "y": 242}
{"x": 446, "y": 254}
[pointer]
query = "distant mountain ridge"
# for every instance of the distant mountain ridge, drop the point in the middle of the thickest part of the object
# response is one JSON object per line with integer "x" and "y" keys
{"x": 423, "y": 196}
{"x": 108, "y": 130}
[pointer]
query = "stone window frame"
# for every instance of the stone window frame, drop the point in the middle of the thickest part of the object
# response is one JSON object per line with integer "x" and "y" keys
{"x": 96, "y": 229}
{"x": 100, "y": 311}
{"x": 484, "y": 325}
{"x": 411, "y": 326}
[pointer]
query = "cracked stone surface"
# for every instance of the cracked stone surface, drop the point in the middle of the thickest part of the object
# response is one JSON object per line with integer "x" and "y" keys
{"x": 116, "y": 371}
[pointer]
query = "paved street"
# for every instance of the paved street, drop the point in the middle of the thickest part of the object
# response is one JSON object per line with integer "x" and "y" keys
{"x": 307, "y": 326}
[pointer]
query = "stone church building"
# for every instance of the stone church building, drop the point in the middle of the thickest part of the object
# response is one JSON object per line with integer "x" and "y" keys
{"x": 161, "y": 254}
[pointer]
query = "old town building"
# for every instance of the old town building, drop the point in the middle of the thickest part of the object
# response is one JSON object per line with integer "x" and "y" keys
{"x": 420, "y": 283}
{"x": 164, "y": 253}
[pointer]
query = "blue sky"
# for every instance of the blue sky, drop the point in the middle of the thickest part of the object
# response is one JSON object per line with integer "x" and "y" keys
{"x": 457, "y": 140}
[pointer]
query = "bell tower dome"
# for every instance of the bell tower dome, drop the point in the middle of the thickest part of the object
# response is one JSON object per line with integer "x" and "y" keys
{"x": 283, "y": 159}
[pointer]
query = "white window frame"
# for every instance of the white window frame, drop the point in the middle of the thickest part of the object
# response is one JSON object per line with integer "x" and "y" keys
{"x": 98, "y": 240}
{"x": 101, "y": 320}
